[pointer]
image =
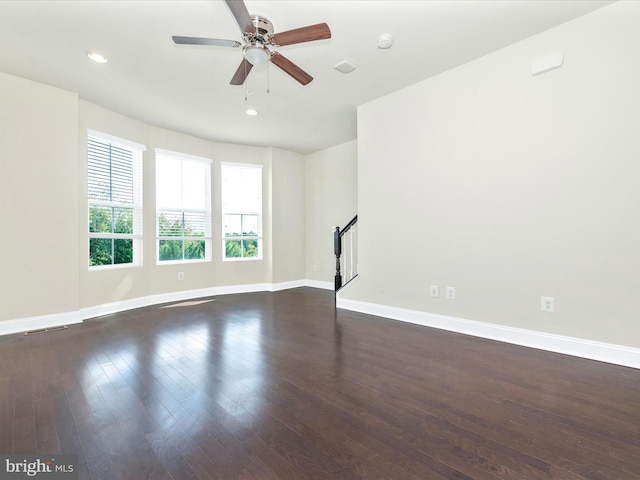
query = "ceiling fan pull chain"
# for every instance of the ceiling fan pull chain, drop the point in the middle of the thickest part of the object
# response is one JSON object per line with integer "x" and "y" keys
{"x": 268, "y": 77}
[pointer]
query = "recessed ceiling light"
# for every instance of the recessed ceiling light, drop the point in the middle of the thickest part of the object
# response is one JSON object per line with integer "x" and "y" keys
{"x": 252, "y": 112}
{"x": 385, "y": 41}
{"x": 97, "y": 57}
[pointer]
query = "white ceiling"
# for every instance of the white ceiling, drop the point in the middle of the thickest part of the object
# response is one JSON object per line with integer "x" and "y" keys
{"x": 186, "y": 88}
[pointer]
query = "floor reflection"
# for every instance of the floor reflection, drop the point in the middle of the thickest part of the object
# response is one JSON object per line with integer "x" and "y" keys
{"x": 242, "y": 364}
{"x": 180, "y": 371}
{"x": 201, "y": 367}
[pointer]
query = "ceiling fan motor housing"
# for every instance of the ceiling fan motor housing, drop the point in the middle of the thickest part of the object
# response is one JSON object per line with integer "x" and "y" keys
{"x": 264, "y": 29}
{"x": 256, "y": 51}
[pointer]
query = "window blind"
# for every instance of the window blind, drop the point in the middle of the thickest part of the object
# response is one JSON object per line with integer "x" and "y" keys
{"x": 242, "y": 210}
{"x": 114, "y": 190}
{"x": 183, "y": 202}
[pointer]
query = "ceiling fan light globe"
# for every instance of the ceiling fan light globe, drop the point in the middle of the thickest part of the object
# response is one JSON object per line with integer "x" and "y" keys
{"x": 256, "y": 55}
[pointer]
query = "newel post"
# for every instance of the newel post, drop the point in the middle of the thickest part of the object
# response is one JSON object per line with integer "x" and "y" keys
{"x": 337, "y": 249}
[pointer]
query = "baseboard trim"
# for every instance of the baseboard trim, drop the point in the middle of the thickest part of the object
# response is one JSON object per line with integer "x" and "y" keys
{"x": 8, "y": 327}
{"x": 259, "y": 287}
{"x": 319, "y": 284}
{"x": 577, "y": 347}
{"x": 20, "y": 325}
{"x": 276, "y": 287}
{"x": 248, "y": 288}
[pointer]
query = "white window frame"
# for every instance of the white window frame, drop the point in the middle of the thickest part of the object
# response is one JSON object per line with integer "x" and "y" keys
{"x": 227, "y": 211}
{"x": 206, "y": 210}
{"x": 136, "y": 149}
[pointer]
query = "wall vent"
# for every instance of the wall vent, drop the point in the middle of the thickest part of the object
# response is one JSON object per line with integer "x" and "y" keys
{"x": 43, "y": 330}
{"x": 344, "y": 66}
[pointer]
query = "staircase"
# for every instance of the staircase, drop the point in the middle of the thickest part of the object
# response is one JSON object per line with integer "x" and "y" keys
{"x": 345, "y": 248}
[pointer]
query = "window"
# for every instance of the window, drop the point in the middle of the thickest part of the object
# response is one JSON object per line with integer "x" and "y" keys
{"x": 114, "y": 189}
{"x": 242, "y": 211}
{"x": 183, "y": 202}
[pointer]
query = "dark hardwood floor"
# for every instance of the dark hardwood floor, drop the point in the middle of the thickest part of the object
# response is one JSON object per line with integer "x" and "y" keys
{"x": 281, "y": 386}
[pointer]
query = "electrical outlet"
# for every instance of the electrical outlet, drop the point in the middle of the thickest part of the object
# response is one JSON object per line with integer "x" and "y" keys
{"x": 180, "y": 275}
{"x": 547, "y": 304}
{"x": 451, "y": 293}
{"x": 433, "y": 290}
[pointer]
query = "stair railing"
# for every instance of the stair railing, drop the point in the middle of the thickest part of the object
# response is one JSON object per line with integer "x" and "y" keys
{"x": 345, "y": 247}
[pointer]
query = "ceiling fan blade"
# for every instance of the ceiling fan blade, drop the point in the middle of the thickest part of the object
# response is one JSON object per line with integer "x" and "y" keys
{"x": 241, "y": 73}
{"x": 240, "y": 12}
{"x": 319, "y": 31}
{"x": 205, "y": 41}
{"x": 290, "y": 68}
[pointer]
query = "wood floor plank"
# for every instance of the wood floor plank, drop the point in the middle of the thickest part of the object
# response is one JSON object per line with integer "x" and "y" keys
{"x": 24, "y": 439}
{"x": 101, "y": 467}
{"x": 278, "y": 386}
{"x": 146, "y": 457}
{"x": 225, "y": 464}
{"x": 203, "y": 467}
{"x": 171, "y": 459}
{"x": 325, "y": 431}
{"x": 125, "y": 466}
{"x": 451, "y": 436}
{"x": 45, "y": 427}
{"x": 63, "y": 418}
{"x": 7, "y": 420}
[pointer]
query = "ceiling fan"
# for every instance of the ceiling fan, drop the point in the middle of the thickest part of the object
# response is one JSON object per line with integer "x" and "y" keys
{"x": 258, "y": 36}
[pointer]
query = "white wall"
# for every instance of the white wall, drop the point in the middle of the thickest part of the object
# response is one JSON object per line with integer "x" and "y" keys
{"x": 510, "y": 187}
{"x": 331, "y": 189}
{"x": 38, "y": 199}
{"x": 288, "y": 208}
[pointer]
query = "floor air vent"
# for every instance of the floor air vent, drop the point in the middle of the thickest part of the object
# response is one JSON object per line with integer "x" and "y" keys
{"x": 43, "y": 330}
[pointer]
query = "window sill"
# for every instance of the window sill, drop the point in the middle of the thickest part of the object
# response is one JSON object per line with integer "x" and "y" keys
{"x": 242, "y": 259}
{"x": 119, "y": 266}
